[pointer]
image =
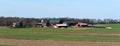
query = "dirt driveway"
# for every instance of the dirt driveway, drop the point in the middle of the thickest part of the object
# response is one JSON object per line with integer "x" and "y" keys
{"x": 21, "y": 42}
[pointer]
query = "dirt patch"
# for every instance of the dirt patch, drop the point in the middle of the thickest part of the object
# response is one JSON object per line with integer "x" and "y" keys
{"x": 3, "y": 27}
{"x": 20, "y": 42}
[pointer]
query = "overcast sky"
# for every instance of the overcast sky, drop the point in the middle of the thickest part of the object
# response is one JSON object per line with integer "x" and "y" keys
{"x": 61, "y": 8}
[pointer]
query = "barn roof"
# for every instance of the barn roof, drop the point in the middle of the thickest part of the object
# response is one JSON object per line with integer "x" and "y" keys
{"x": 54, "y": 21}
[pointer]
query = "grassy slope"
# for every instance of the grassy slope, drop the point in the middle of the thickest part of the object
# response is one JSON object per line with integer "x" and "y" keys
{"x": 48, "y": 33}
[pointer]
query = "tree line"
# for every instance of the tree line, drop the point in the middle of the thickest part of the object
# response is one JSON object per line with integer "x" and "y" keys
{"x": 30, "y": 22}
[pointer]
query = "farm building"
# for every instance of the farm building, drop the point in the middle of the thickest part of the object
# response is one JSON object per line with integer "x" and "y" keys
{"x": 77, "y": 24}
{"x": 17, "y": 24}
{"x": 56, "y": 23}
{"x": 40, "y": 25}
{"x": 51, "y": 23}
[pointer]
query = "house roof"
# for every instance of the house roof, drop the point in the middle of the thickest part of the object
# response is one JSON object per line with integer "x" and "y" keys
{"x": 54, "y": 21}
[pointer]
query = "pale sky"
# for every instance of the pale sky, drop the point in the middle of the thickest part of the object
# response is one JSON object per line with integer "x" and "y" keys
{"x": 61, "y": 8}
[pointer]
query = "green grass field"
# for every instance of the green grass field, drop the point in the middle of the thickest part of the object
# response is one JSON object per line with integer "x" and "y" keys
{"x": 6, "y": 45}
{"x": 56, "y": 34}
